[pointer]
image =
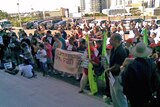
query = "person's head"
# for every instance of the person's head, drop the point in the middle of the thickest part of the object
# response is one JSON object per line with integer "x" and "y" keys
{"x": 71, "y": 40}
{"x": 41, "y": 46}
{"x": 129, "y": 42}
{"x": 132, "y": 25}
{"x": 118, "y": 28}
{"x": 14, "y": 36}
{"x": 141, "y": 50}
{"x": 56, "y": 36}
{"x": 153, "y": 35}
{"x": 73, "y": 27}
{"x": 60, "y": 29}
{"x": 48, "y": 33}
{"x": 113, "y": 29}
{"x": 154, "y": 27}
{"x": 115, "y": 40}
{"x": 78, "y": 29}
{"x": 46, "y": 41}
{"x": 26, "y": 61}
{"x": 82, "y": 41}
{"x": 24, "y": 35}
{"x": 153, "y": 21}
{"x": 30, "y": 34}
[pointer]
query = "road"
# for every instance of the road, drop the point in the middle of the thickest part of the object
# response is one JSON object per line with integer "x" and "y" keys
{"x": 18, "y": 91}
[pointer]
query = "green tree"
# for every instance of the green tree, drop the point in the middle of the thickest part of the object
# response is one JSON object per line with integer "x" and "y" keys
{"x": 4, "y": 15}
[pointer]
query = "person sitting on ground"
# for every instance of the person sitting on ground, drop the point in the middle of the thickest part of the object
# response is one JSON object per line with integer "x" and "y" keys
{"x": 10, "y": 66}
{"x": 26, "y": 69}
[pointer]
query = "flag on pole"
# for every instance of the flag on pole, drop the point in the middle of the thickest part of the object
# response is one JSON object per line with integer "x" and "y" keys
{"x": 104, "y": 53}
{"x": 145, "y": 36}
{"x": 91, "y": 78}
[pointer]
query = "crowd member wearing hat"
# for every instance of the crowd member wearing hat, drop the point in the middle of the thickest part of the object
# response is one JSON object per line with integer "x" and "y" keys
{"x": 94, "y": 60}
{"x": 117, "y": 57}
{"x": 138, "y": 78}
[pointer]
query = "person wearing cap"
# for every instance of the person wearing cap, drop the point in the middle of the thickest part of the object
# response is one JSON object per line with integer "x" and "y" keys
{"x": 117, "y": 57}
{"x": 138, "y": 79}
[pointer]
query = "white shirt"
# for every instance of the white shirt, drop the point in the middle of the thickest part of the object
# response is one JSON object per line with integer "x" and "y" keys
{"x": 42, "y": 56}
{"x": 27, "y": 70}
{"x": 131, "y": 34}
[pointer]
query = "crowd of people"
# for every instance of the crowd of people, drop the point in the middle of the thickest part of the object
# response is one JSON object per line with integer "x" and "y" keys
{"x": 132, "y": 68}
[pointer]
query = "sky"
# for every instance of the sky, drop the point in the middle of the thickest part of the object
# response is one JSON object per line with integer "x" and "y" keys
{"x": 10, "y": 6}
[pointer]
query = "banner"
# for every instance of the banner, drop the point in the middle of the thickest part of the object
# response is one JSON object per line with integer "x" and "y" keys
{"x": 67, "y": 61}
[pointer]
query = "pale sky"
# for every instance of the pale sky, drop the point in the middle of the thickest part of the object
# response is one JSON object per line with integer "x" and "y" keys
{"x": 10, "y": 6}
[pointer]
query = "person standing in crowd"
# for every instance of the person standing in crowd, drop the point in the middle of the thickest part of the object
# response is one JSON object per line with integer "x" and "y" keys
{"x": 49, "y": 37}
{"x": 64, "y": 47}
{"x": 63, "y": 33}
{"x": 48, "y": 49}
{"x": 82, "y": 46}
{"x": 14, "y": 47}
{"x": 138, "y": 79}
{"x": 117, "y": 57}
{"x": 43, "y": 59}
{"x": 71, "y": 46}
{"x": 94, "y": 60}
{"x": 26, "y": 40}
{"x": 57, "y": 44}
{"x": 26, "y": 52}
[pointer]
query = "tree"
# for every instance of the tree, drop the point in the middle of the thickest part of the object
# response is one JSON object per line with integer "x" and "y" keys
{"x": 4, "y": 15}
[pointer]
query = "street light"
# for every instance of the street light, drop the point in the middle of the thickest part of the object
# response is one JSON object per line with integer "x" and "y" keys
{"x": 19, "y": 14}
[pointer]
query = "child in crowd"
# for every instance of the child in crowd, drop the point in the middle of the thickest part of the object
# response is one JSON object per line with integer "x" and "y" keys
{"x": 26, "y": 69}
{"x": 43, "y": 59}
{"x": 48, "y": 49}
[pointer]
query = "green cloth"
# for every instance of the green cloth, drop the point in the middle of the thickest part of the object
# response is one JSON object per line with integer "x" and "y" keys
{"x": 91, "y": 75}
{"x": 145, "y": 36}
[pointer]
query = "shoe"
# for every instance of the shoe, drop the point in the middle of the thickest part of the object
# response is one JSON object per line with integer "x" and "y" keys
{"x": 81, "y": 91}
{"x": 108, "y": 100}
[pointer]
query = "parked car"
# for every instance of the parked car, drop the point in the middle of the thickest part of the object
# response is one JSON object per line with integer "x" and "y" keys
{"x": 37, "y": 23}
{"x": 5, "y": 24}
{"x": 50, "y": 24}
{"x": 60, "y": 23}
{"x": 28, "y": 25}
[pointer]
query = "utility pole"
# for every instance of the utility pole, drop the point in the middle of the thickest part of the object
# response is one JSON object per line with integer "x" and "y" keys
{"x": 143, "y": 9}
{"x": 19, "y": 16}
{"x": 44, "y": 16}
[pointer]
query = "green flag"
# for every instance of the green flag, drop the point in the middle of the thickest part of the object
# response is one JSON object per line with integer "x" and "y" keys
{"x": 91, "y": 78}
{"x": 145, "y": 36}
{"x": 104, "y": 53}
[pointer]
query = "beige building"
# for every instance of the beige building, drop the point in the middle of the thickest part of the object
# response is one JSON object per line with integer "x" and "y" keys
{"x": 62, "y": 12}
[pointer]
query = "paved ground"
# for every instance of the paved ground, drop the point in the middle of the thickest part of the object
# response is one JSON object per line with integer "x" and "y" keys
{"x": 17, "y": 91}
